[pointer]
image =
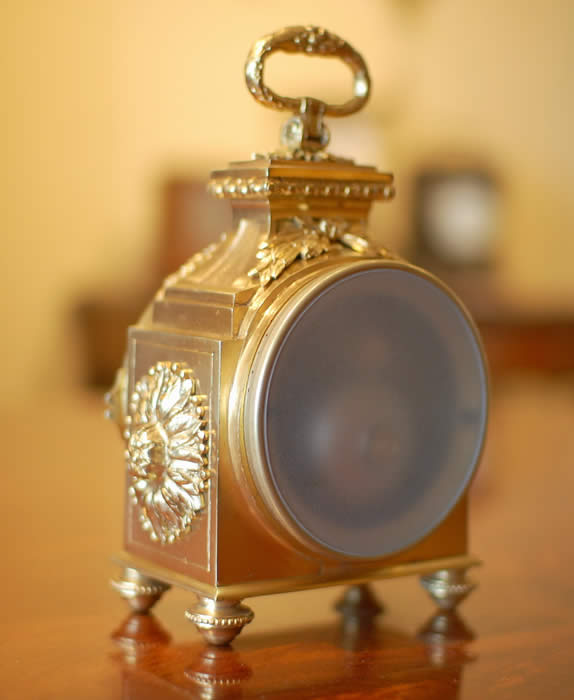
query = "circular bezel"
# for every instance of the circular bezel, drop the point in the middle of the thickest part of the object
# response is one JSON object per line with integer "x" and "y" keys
{"x": 260, "y": 355}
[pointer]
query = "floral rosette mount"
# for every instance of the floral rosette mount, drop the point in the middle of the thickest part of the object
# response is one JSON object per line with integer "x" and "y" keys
{"x": 167, "y": 440}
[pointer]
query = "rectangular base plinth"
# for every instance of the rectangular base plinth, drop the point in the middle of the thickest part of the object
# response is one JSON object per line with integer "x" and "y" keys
{"x": 267, "y": 587}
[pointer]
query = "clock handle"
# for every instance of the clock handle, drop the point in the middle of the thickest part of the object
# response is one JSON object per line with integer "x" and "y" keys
{"x": 306, "y": 131}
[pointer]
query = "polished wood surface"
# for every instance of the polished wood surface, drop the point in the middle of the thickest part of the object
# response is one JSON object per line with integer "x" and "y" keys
{"x": 66, "y": 634}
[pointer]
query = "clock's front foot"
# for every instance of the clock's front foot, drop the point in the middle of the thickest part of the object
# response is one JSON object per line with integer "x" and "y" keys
{"x": 219, "y": 621}
{"x": 448, "y": 587}
{"x": 141, "y": 592}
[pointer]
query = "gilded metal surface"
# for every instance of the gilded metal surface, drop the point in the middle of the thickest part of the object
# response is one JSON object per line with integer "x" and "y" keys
{"x": 304, "y": 135}
{"x": 379, "y": 569}
{"x": 219, "y": 621}
{"x": 167, "y": 444}
{"x": 195, "y": 263}
{"x": 141, "y": 592}
{"x": 269, "y": 187}
{"x": 306, "y": 238}
{"x": 308, "y": 40}
{"x": 448, "y": 587}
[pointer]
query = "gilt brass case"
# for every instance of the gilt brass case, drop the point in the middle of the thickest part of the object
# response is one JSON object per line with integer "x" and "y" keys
{"x": 204, "y": 510}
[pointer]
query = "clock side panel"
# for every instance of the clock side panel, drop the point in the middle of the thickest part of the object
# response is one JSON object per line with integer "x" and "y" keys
{"x": 250, "y": 557}
{"x": 190, "y": 554}
{"x": 248, "y": 548}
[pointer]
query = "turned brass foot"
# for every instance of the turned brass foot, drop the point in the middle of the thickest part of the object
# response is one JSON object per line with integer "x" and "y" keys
{"x": 359, "y": 601}
{"x": 141, "y": 592}
{"x": 358, "y": 607}
{"x": 448, "y": 587}
{"x": 219, "y": 621}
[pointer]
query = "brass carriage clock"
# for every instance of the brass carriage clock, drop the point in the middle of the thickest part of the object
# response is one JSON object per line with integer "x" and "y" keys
{"x": 300, "y": 408}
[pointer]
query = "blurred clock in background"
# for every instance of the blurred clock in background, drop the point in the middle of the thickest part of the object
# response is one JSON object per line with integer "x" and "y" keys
{"x": 456, "y": 212}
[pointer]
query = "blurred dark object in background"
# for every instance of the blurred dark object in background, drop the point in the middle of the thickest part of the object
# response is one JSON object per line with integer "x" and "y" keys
{"x": 457, "y": 211}
{"x": 101, "y": 324}
{"x": 518, "y": 341}
{"x": 191, "y": 219}
{"x": 456, "y": 215}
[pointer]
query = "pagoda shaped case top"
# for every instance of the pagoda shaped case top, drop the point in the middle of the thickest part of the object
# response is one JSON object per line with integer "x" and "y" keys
{"x": 300, "y": 407}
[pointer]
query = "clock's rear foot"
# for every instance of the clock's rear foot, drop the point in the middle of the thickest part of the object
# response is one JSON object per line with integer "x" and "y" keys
{"x": 141, "y": 592}
{"x": 448, "y": 587}
{"x": 359, "y": 601}
{"x": 219, "y": 621}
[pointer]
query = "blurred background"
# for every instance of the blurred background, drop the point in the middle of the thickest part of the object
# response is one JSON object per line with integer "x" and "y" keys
{"x": 113, "y": 113}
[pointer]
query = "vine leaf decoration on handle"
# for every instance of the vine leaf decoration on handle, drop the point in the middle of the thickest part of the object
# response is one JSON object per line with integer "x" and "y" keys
{"x": 167, "y": 450}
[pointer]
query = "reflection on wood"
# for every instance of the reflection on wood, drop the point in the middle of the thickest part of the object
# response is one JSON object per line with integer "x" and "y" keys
{"x": 362, "y": 659}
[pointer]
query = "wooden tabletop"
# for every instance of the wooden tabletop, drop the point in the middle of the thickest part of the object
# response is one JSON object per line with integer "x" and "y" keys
{"x": 62, "y": 491}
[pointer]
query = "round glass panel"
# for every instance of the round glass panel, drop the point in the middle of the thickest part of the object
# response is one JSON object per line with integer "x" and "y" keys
{"x": 374, "y": 412}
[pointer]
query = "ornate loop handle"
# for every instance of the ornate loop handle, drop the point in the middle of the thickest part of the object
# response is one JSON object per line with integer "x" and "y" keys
{"x": 308, "y": 40}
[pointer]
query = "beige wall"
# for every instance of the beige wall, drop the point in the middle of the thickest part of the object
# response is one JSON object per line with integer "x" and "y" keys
{"x": 101, "y": 98}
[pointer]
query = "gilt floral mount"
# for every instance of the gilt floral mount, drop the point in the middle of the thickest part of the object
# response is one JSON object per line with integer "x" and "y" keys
{"x": 167, "y": 448}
